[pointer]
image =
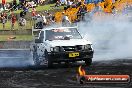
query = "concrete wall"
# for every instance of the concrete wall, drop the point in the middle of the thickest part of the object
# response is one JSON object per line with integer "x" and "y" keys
{"x": 16, "y": 32}
{"x": 15, "y": 44}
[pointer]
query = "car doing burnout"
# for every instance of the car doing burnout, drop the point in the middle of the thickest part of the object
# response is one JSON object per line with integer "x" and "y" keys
{"x": 64, "y": 44}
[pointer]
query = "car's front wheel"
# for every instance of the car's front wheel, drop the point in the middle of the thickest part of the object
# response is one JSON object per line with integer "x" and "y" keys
{"x": 36, "y": 59}
{"x": 48, "y": 60}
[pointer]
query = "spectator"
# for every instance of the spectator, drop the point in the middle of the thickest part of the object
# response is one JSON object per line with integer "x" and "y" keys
{"x": 3, "y": 4}
{"x": 53, "y": 19}
{"x": 26, "y": 8}
{"x": 69, "y": 2}
{"x": 81, "y": 12}
{"x": 37, "y": 2}
{"x": 57, "y": 3}
{"x": 63, "y": 2}
{"x": 14, "y": 4}
{"x": 114, "y": 11}
{"x": 31, "y": 4}
{"x": 65, "y": 20}
{"x": 74, "y": 5}
{"x": 3, "y": 22}
{"x": 49, "y": 18}
{"x": 22, "y": 13}
{"x": 44, "y": 20}
{"x": 4, "y": 14}
{"x": 41, "y": 1}
{"x": 79, "y": 3}
{"x": 21, "y": 3}
{"x": 33, "y": 12}
{"x": 39, "y": 22}
{"x": 13, "y": 21}
{"x": 22, "y": 22}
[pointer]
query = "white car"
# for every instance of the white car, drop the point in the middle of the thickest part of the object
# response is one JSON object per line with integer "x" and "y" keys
{"x": 63, "y": 44}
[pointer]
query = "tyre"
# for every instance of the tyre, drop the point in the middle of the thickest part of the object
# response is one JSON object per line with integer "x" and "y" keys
{"x": 88, "y": 61}
{"x": 35, "y": 56}
{"x": 48, "y": 60}
{"x": 36, "y": 59}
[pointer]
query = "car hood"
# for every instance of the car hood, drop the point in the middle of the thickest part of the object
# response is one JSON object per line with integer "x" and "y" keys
{"x": 71, "y": 42}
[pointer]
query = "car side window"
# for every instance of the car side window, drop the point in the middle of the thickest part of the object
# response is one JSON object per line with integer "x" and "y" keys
{"x": 41, "y": 37}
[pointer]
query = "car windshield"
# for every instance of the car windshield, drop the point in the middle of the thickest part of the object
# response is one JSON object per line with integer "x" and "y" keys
{"x": 61, "y": 34}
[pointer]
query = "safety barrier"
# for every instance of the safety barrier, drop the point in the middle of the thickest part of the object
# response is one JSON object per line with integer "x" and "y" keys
{"x": 15, "y": 44}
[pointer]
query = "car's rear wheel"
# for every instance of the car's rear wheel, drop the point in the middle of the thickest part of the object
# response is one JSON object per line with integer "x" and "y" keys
{"x": 88, "y": 61}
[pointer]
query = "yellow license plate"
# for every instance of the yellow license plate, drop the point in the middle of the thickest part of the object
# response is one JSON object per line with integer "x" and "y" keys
{"x": 73, "y": 54}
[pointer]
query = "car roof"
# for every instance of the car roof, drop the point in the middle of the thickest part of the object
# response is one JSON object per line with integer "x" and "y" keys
{"x": 56, "y": 28}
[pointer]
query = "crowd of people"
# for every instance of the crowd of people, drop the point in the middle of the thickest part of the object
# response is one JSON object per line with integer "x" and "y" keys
{"x": 74, "y": 11}
{"x": 7, "y": 11}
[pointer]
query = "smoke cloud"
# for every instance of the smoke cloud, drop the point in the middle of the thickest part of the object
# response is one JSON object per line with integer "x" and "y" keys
{"x": 15, "y": 58}
{"x": 111, "y": 36}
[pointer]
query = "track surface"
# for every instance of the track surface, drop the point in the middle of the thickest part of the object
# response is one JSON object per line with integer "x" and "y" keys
{"x": 21, "y": 75}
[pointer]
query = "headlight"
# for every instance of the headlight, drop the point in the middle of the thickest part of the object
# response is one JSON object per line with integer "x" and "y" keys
{"x": 88, "y": 46}
{"x": 83, "y": 47}
{"x": 61, "y": 49}
{"x": 55, "y": 49}
{"x": 51, "y": 49}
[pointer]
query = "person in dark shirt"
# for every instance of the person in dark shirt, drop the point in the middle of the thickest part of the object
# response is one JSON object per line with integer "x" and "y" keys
{"x": 22, "y": 13}
{"x": 14, "y": 4}
{"x": 81, "y": 12}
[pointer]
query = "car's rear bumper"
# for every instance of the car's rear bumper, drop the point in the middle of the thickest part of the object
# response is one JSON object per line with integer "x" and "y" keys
{"x": 64, "y": 56}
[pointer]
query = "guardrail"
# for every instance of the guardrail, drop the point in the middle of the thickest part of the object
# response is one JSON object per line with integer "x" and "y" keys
{"x": 16, "y": 32}
{"x": 15, "y": 44}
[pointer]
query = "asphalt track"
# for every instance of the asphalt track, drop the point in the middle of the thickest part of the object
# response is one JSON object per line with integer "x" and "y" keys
{"x": 17, "y": 71}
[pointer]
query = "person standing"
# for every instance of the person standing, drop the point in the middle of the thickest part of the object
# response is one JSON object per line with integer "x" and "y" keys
{"x": 34, "y": 13}
{"x": 13, "y": 21}
{"x": 3, "y": 22}
{"x": 3, "y": 4}
{"x": 3, "y": 19}
{"x": 14, "y": 4}
{"x": 22, "y": 22}
{"x": 65, "y": 20}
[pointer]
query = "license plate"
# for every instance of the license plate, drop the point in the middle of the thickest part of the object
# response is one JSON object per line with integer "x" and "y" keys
{"x": 73, "y": 54}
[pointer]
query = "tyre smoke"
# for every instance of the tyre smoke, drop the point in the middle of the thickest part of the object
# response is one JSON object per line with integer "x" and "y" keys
{"x": 111, "y": 36}
{"x": 15, "y": 58}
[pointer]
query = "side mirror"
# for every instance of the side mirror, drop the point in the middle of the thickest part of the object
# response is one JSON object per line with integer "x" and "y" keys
{"x": 38, "y": 41}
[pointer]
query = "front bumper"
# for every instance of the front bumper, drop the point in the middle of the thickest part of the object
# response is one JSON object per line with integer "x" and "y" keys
{"x": 64, "y": 56}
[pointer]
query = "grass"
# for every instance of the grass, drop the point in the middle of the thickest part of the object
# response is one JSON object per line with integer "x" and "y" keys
{"x": 29, "y": 25}
{"x": 9, "y": 0}
{"x": 43, "y": 8}
{"x": 16, "y": 26}
{"x": 18, "y": 37}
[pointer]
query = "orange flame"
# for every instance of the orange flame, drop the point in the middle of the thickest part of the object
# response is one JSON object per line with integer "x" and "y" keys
{"x": 81, "y": 71}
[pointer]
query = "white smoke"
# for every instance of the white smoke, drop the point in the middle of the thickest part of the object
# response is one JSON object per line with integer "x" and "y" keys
{"x": 111, "y": 37}
{"x": 15, "y": 58}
